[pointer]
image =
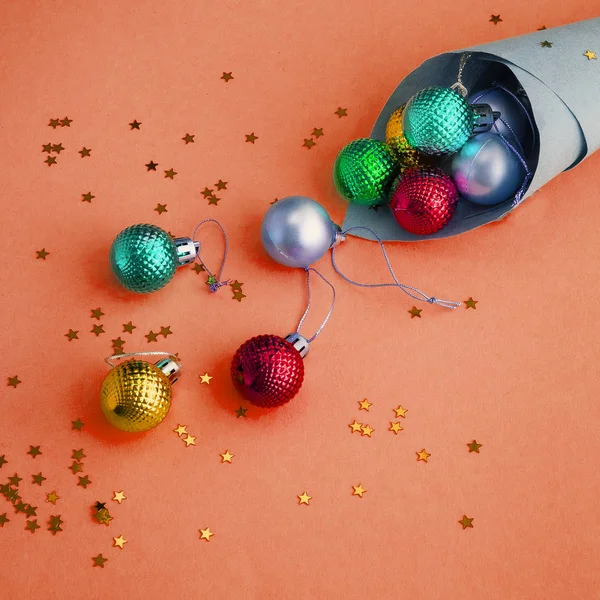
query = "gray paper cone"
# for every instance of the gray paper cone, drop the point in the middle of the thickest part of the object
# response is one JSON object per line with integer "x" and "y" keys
{"x": 563, "y": 88}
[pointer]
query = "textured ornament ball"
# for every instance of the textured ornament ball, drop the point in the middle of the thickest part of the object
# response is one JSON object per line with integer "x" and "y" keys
{"x": 404, "y": 153}
{"x": 143, "y": 258}
{"x": 267, "y": 370}
{"x": 297, "y": 231}
{"x": 438, "y": 120}
{"x": 135, "y": 396}
{"x": 423, "y": 200}
{"x": 364, "y": 171}
{"x": 486, "y": 171}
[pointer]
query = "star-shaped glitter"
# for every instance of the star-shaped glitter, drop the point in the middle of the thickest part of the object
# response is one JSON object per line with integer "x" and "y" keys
{"x": 32, "y": 526}
{"x": 3, "y": 460}
{"x": 213, "y": 200}
{"x": 188, "y": 139}
{"x": 190, "y": 440}
{"x": 20, "y": 507}
{"x": 42, "y": 253}
{"x": 128, "y": 327}
{"x": 367, "y": 430}
{"x": 221, "y": 185}
{"x": 3, "y": 519}
{"x": 198, "y": 268}
{"x": 356, "y": 426}
{"x": 415, "y": 312}
{"x": 14, "y": 480}
{"x": 364, "y": 404}
{"x": 134, "y": 125}
{"x": 78, "y": 454}
{"x": 470, "y": 303}
{"x": 422, "y": 455}
{"x": 317, "y": 132}
{"x": 76, "y": 467}
{"x": 205, "y": 378}
{"x": 12, "y": 495}
{"x": 54, "y": 123}
{"x": 66, "y": 122}
{"x": 47, "y": 147}
{"x": 206, "y": 192}
{"x": 341, "y": 112}
{"x": 495, "y": 19}
{"x": 590, "y": 55}
{"x": 466, "y": 522}
{"x": 84, "y": 481}
{"x": 474, "y": 446}
{"x": 72, "y": 335}
{"x": 180, "y": 430}
{"x": 99, "y": 561}
{"x": 226, "y": 456}
{"x": 54, "y": 524}
{"x": 400, "y": 411}
{"x": 309, "y": 143}
{"x": 96, "y": 313}
{"x": 103, "y": 517}
{"x": 239, "y": 295}
{"x": 236, "y": 286}
{"x": 151, "y": 337}
{"x": 58, "y": 148}
{"x": 151, "y": 166}
{"x": 78, "y": 424}
{"x": 51, "y": 160}
{"x": 241, "y": 412}
{"x": 14, "y": 381}
{"x": 395, "y": 427}
{"x": 251, "y": 137}
{"x": 119, "y": 496}
{"x": 304, "y": 499}
{"x": 170, "y": 173}
{"x": 359, "y": 490}
{"x": 118, "y": 343}
{"x": 97, "y": 330}
{"x": 34, "y": 451}
{"x": 165, "y": 331}
{"x": 206, "y": 534}
{"x": 119, "y": 542}
{"x": 85, "y": 152}
{"x": 161, "y": 208}
{"x": 546, "y": 44}
{"x": 87, "y": 197}
{"x": 226, "y": 76}
{"x": 52, "y": 497}
{"x": 99, "y": 505}
{"x": 38, "y": 479}
{"x": 30, "y": 511}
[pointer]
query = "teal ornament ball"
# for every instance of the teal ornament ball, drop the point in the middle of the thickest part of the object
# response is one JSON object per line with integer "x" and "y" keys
{"x": 364, "y": 171}
{"x": 143, "y": 258}
{"x": 437, "y": 121}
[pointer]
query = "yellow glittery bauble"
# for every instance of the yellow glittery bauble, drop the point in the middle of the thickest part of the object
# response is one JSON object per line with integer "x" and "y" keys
{"x": 406, "y": 155}
{"x": 135, "y": 396}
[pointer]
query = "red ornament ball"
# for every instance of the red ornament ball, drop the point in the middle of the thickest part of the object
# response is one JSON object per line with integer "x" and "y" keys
{"x": 267, "y": 370}
{"x": 423, "y": 200}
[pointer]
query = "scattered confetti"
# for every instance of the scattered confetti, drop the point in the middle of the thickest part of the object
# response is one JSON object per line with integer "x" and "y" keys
{"x": 54, "y": 123}
{"x": 238, "y": 295}
{"x": 364, "y": 404}
{"x": 72, "y": 335}
{"x": 128, "y": 327}
{"x": 30, "y": 511}
{"x": 32, "y": 526}
{"x": 103, "y": 517}
{"x": 97, "y": 330}
{"x": 236, "y": 286}
{"x": 188, "y": 139}
{"x": 226, "y": 76}
{"x": 119, "y": 496}
{"x": 52, "y": 497}
{"x": 34, "y": 451}
{"x": 85, "y": 152}
{"x": 100, "y": 560}
{"x": 3, "y": 460}
{"x": 304, "y": 499}
{"x": 42, "y": 254}
{"x": 38, "y": 479}
{"x": 78, "y": 424}
{"x": 119, "y": 542}
{"x": 400, "y": 411}
{"x": 78, "y": 454}
{"x": 54, "y": 524}
{"x": 170, "y": 173}
{"x": 189, "y": 440}
{"x": 226, "y": 457}
{"x": 151, "y": 337}
{"x": 317, "y": 132}
{"x": 161, "y": 208}
{"x": 87, "y": 197}
{"x": 367, "y": 430}
{"x": 206, "y": 534}
{"x": 99, "y": 505}
{"x": 395, "y": 427}
{"x": 66, "y": 122}
{"x": 47, "y": 147}
{"x": 58, "y": 148}
{"x": 422, "y": 455}
{"x": 84, "y": 481}
{"x": 221, "y": 185}
{"x": 359, "y": 490}
{"x": 309, "y": 143}
{"x": 3, "y": 519}
{"x": 356, "y": 426}
{"x": 495, "y": 19}
{"x": 180, "y": 430}
{"x": 14, "y": 381}
{"x": 205, "y": 378}
{"x": 241, "y": 412}
{"x": 151, "y": 166}
{"x": 134, "y": 125}
{"x": 470, "y": 303}
{"x": 546, "y": 44}
{"x": 341, "y": 112}
{"x": 214, "y": 200}
{"x": 590, "y": 55}
{"x": 165, "y": 331}
{"x": 50, "y": 161}
{"x": 76, "y": 467}
{"x": 15, "y": 480}
{"x": 207, "y": 193}
{"x": 415, "y": 312}
{"x": 251, "y": 138}
{"x": 466, "y": 522}
{"x": 474, "y": 446}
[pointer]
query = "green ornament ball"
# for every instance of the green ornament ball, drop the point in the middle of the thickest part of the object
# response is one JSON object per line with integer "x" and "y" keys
{"x": 437, "y": 121}
{"x": 143, "y": 258}
{"x": 364, "y": 171}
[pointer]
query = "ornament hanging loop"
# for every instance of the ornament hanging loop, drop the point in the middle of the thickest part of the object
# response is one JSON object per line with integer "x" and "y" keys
{"x": 214, "y": 282}
{"x": 458, "y": 86}
{"x": 297, "y": 337}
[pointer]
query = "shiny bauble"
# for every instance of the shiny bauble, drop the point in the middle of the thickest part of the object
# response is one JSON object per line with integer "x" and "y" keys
{"x": 364, "y": 171}
{"x": 423, "y": 200}
{"x": 297, "y": 231}
{"x": 268, "y": 370}
{"x": 404, "y": 153}
{"x": 486, "y": 171}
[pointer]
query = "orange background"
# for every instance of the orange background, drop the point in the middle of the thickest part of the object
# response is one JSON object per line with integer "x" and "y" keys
{"x": 518, "y": 374}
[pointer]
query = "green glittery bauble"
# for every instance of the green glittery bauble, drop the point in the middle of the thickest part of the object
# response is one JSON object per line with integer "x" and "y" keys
{"x": 364, "y": 171}
{"x": 143, "y": 258}
{"x": 438, "y": 120}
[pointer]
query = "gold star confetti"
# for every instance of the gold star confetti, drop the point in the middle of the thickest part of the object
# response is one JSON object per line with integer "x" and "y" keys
{"x": 239, "y": 295}
{"x": 14, "y": 381}
{"x": 58, "y": 148}
{"x": 38, "y": 479}
{"x": 14, "y": 480}
{"x": 226, "y": 457}
{"x": 34, "y": 451}
{"x": 97, "y": 330}
{"x": 66, "y": 122}
{"x": 356, "y": 426}
{"x": 119, "y": 496}
{"x": 213, "y": 200}
{"x": 30, "y": 511}
{"x": 470, "y": 303}
{"x": 76, "y": 467}
{"x": 72, "y": 335}
{"x": 103, "y": 517}
{"x": 474, "y": 446}
{"x": 466, "y": 522}
{"x": 205, "y": 378}
{"x": 341, "y": 112}
{"x": 590, "y": 55}
{"x": 359, "y": 490}
{"x": 226, "y": 76}
{"x": 20, "y": 507}
{"x": 170, "y": 173}
{"x": 3, "y": 460}
{"x": 165, "y": 331}
{"x": 236, "y": 286}
{"x": 99, "y": 560}
{"x": 304, "y": 499}
{"x": 3, "y": 519}
{"x": 423, "y": 455}
{"x": 134, "y": 125}
{"x": 188, "y": 139}
{"x": 366, "y": 430}
{"x": 364, "y": 404}
{"x": 78, "y": 424}
{"x": 251, "y": 137}
{"x": 241, "y": 412}
{"x": 99, "y": 505}
{"x": 395, "y": 427}
{"x": 78, "y": 454}
{"x": 400, "y": 411}
{"x": 54, "y": 524}
{"x": 309, "y": 143}
{"x": 87, "y": 197}
{"x": 180, "y": 430}
{"x": 32, "y": 526}
{"x": 117, "y": 342}
{"x": 151, "y": 166}
{"x": 161, "y": 208}
{"x": 50, "y": 161}
{"x": 47, "y": 148}
{"x": 206, "y": 534}
{"x": 207, "y": 193}
{"x": 495, "y": 19}
{"x": 221, "y": 185}
{"x": 85, "y": 152}
{"x": 96, "y": 313}
{"x": 190, "y": 440}
{"x": 41, "y": 254}
{"x": 128, "y": 327}
{"x": 119, "y": 542}
{"x": 84, "y": 481}
{"x": 546, "y": 44}
{"x": 54, "y": 123}
{"x": 317, "y": 132}
{"x": 415, "y": 312}
{"x": 151, "y": 337}
{"x": 52, "y": 497}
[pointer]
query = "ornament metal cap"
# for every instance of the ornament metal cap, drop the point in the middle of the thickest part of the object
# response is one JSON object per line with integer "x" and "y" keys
{"x": 171, "y": 368}
{"x": 483, "y": 117}
{"x": 339, "y": 236}
{"x": 187, "y": 250}
{"x": 299, "y": 342}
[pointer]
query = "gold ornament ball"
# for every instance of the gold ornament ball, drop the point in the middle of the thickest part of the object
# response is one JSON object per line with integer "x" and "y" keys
{"x": 405, "y": 154}
{"x": 135, "y": 396}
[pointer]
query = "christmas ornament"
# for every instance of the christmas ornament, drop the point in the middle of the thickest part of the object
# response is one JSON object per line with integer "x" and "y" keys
{"x": 423, "y": 200}
{"x": 404, "y": 153}
{"x": 363, "y": 171}
{"x": 297, "y": 231}
{"x": 136, "y": 395}
{"x": 486, "y": 170}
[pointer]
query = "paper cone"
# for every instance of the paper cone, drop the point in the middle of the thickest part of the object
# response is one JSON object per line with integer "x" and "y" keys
{"x": 563, "y": 88}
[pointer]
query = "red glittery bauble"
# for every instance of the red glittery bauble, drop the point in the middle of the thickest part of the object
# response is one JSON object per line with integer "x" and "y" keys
{"x": 423, "y": 200}
{"x": 267, "y": 370}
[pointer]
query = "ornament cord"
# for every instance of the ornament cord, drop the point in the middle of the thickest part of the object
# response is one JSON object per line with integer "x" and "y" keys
{"x": 308, "y": 270}
{"x": 109, "y": 359}
{"x": 407, "y": 289}
{"x": 218, "y": 283}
